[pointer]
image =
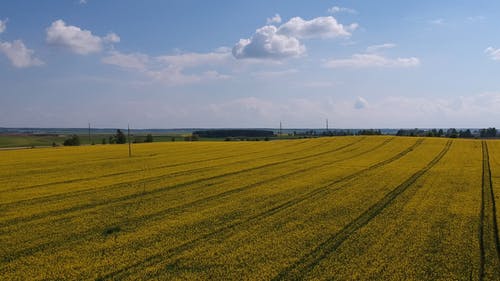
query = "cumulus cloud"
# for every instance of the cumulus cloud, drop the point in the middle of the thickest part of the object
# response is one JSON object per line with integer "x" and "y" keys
{"x": 320, "y": 27}
{"x": 3, "y": 25}
{"x": 271, "y": 42}
{"x": 376, "y": 48}
{"x": 78, "y": 40}
{"x": 372, "y": 60}
{"x": 275, "y": 19}
{"x": 267, "y": 43}
{"x": 360, "y": 103}
{"x": 19, "y": 55}
{"x": 336, "y": 10}
{"x": 493, "y": 53}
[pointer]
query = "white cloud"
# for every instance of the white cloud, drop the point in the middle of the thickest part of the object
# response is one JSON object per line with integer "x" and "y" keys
{"x": 111, "y": 38}
{"x": 175, "y": 76}
{"x": 78, "y": 40}
{"x": 178, "y": 69}
{"x": 320, "y": 27}
{"x": 82, "y": 2}
{"x": 360, "y": 103}
{"x": 275, "y": 19}
{"x": 19, "y": 55}
{"x": 372, "y": 60}
{"x": 376, "y": 48}
{"x": 3, "y": 25}
{"x": 267, "y": 43}
{"x": 385, "y": 112}
{"x": 132, "y": 61}
{"x": 493, "y": 53}
{"x": 336, "y": 10}
{"x": 271, "y": 42}
{"x": 197, "y": 59}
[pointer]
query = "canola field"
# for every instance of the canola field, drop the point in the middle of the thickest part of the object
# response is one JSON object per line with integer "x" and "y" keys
{"x": 343, "y": 208}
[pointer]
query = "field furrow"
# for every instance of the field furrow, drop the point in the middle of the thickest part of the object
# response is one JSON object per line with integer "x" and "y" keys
{"x": 299, "y": 269}
{"x": 488, "y": 231}
{"x": 180, "y": 181}
{"x": 152, "y": 217}
{"x": 228, "y": 230}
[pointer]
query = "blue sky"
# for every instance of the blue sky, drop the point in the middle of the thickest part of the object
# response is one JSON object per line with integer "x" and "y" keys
{"x": 177, "y": 64}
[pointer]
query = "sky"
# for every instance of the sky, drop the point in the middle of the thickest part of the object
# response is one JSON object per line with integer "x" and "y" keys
{"x": 249, "y": 64}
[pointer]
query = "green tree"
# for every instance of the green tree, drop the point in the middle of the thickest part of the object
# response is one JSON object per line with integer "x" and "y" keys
{"x": 149, "y": 138}
{"x": 74, "y": 140}
{"x": 120, "y": 137}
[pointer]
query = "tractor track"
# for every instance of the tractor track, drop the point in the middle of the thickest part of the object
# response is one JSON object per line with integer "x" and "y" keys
{"x": 258, "y": 217}
{"x": 308, "y": 262}
{"x": 489, "y": 245}
{"x": 154, "y": 191}
{"x": 158, "y": 215}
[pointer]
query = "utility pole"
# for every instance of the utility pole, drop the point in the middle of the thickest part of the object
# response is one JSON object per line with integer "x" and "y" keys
{"x": 129, "y": 145}
{"x": 280, "y": 129}
{"x": 327, "y": 124}
{"x": 90, "y": 138}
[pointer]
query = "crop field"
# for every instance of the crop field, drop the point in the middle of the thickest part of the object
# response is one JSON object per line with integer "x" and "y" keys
{"x": 340, "y": 208}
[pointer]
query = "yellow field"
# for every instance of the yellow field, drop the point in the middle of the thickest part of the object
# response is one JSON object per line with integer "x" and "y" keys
{"x": 346, "y": 208}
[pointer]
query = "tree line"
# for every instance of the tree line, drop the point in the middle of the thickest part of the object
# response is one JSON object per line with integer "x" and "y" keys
{"x": 118, "y": 138}
{"x": 449, "y": 133}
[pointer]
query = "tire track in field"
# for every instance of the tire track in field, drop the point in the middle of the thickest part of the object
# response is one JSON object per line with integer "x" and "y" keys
{"x": 160, "y": 167}
{"x": 158, "y": 215}
{"x": 154, "y": 191}
{"x": 319, "y": 191}
{"x": 489, "y": 245}
{"x": 78, "y": 193}
{"x": 299, "y": 269}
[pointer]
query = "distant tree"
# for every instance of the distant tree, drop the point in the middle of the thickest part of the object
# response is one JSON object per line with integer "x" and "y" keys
{"x": 440, "y": 133}
{"x": 369, "y": 132}
{"x": 465, "y": 134}
{"x": 149, "y": 138}
{"x": 120, "y": 137}
{"x": 452, "y": 133}
{"x": 173, "y": 139}
{"x": 74, "y": 140}
{"x": 111, "y": 140}
{"x": 488, "y": 133}
{"x": 103, "y": 140}
{"x": 54, "y": 144}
